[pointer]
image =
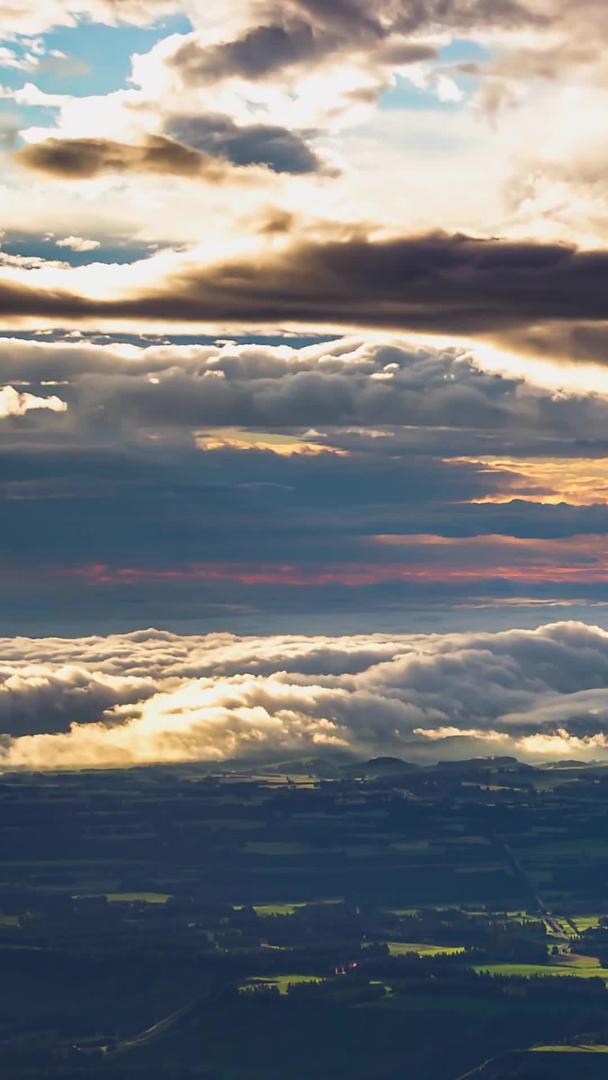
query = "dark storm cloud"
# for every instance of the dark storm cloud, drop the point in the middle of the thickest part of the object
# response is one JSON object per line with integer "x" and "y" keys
{"x": 584, "y": 342}
{"x": 260, "y": 52}
{"x": 83, "y": 159}
{"x": 281, "y": 150}
{"x": 305, "y": 33}
{"x": 433, "y": 283}
{"x": 410, "y": 15}
{"x": 263, "y": 51}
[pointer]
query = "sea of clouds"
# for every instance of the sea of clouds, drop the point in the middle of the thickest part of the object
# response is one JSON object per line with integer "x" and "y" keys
{"x": 155, "y": 696}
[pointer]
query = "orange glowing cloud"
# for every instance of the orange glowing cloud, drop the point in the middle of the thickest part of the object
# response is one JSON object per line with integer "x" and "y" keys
{"x": 578, "y": 481}
{"x": 285, "y": 445}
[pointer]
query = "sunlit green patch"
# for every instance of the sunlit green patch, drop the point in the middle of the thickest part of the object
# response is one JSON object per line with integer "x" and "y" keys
{"x": 472, "y": 907}
{"x": 283, "y": 982}
{"x": 584, "y": 1049}
{"x": 275, "y": 909}
{"x": 402, "y": 911}
{"x": 521, "y": 917}
{"x": 583, "y": 967}
{"x": 401, "y": 948}
{"x": 586, "y": 922}
{"x": 286, "y": 907}
{"x": 301, "y": 780}
{"x": 559, "y": 928}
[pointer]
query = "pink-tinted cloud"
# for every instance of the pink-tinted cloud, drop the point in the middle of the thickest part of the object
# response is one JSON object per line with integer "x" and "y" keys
{"x": 422, "y": 559}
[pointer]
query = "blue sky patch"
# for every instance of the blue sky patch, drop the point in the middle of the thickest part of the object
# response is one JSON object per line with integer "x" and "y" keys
{"x": 404, "y": 95}
{"x": 14, "y": 117}
{"x": 407, "y": 97}
{"x": 40, "y": 247}
{"x": 97, "y": 57}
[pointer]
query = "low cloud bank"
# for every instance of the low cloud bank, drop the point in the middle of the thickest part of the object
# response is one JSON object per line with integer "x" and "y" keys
{"x": 154, "y": 696}
{"x": 433, "y": 283}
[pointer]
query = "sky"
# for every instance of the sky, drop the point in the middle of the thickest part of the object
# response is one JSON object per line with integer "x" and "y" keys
{"x": 303, "y": 331}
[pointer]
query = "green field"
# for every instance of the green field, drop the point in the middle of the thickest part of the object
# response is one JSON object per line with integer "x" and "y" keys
{"x": 583, "y": 967}
{"x": 282, "y": 981}
{"x": 275, "y": 909}
{"x": 286, "y": 907}
{"x": 591, "y": 1049}
{"x": 586, "y": 922}
{"x": 401, "y": 948}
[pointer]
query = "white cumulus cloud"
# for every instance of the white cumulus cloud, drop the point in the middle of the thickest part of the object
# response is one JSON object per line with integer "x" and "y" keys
{"x": 15, "y": 403}
{"x": 155, "y": 696}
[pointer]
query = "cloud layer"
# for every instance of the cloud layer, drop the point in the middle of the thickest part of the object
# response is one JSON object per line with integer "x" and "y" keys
{"x": 434, "y": 284}
{"x": 153, "y": 696}
{"x": 225, "y": 482}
